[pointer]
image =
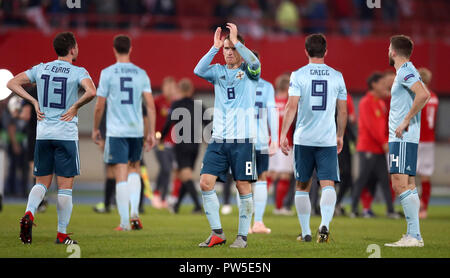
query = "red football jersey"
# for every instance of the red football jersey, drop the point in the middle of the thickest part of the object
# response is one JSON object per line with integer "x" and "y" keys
{"x": 372, "y": 130}
{"x": 162, "y": 107}
{"x": 280, "y": 102}
{"x": 428, "y": 119}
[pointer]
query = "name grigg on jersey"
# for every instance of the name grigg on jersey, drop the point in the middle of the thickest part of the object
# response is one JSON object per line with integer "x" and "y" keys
{"x": 319, "y": 72}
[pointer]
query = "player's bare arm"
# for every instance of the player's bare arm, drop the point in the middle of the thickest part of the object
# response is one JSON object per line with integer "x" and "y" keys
{"x": 88, "y": 95}
{"x": 289, "y": 114}
{"x": 341, "y": 123}
{"x": 150, "y": 139}
{"x": 98, "y": 114}
{"x": 16, "y": 85}
{"x": 421, "y": 98}
{"x": 273, "y": 124}
{"x": 203, "y": 68}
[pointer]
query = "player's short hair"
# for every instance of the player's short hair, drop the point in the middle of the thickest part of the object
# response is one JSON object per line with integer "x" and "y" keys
{"x": 239, "y": 37}
{"x": 282, "y": 82}
{"x": 403, "y": 45}
{"x": 122, "y": 44}
{"x": 316, "y": 45}
{"x": 426, "y": 75}
{"x": 63, "y": 43}
{"x": 185, "y": 85}
{"x": 374, "y": 78}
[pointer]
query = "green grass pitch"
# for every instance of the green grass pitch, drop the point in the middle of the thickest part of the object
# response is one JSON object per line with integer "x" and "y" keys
{"x": 177, "y": 236}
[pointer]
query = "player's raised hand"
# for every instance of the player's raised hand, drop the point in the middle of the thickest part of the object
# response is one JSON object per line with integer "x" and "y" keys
{"x": 340, "y": 144}
{"x": 70, "y": 114}
{"x": 218, "y": 41}
{"x": 233, "y": 32}
{"x": 401, "y": 128}
{"x": 284, "y": 144}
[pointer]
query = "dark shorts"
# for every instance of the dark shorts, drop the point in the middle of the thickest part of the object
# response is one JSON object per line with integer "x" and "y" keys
{"x": 262, "y": 162}
{"x": 122, "y": 150}
{"x": 323, "y": 159}
{"x": 403, "y": 158}
{"x": 237, "y": 155}
{"x": 58, "y": 157}
{"x": 186, "y": 155}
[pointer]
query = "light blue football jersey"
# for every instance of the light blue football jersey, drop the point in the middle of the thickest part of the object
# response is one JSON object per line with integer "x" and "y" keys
{"x": 123, "y": 84}
{"x": 266, "y": 115}
{"x": 234, "y": 102}
{"x": 319, "y": 87}
{"x": 402, "y": 99}
{"x": 57, "y": 84}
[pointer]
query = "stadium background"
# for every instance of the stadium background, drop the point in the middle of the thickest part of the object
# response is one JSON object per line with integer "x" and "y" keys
{"x": 170, "y": 36}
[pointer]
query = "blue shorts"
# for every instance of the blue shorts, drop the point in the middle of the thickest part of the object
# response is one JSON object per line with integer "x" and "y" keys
{"x": 238, "y": 156}
{"x": 262, "y": 161}
{"x": 120, "y": 150}
{"x": 323, "y": 159}
{"x": 403, "y": 158}
{"x": 60, "y": 157}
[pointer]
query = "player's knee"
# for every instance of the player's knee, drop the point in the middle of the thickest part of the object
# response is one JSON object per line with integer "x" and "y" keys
{"x": 301, "y": 186}
{"x": 205, "y": 184}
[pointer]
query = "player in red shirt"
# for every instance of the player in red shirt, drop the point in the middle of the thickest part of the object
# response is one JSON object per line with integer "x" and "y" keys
{"x": 372, "y": 144}
{"x": 366, "y": 195}
{"x": 425, "y": 154}
{"x": 164, "y": 150}
{"x": 281, "y": 166}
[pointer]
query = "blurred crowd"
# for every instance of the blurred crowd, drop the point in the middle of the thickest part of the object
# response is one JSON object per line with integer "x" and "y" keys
{"x": 255, "y": 17}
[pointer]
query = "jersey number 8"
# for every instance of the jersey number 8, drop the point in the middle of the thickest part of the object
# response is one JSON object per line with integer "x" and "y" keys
{"x": 319, "y": 89}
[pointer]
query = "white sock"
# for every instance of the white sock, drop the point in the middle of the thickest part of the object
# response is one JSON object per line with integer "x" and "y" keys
{"x": 327, "y": 205}
{"x": 303, "y": 206}
{"x": 122, "y": 200}
{"x": 134, "y": 188}
{"x": 64, "y": 208}
{"x": 35, "y": 197}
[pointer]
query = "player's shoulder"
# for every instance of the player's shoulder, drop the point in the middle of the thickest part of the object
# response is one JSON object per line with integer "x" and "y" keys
{"x": 300, "y": 70}
{"x": 109, "y": 68}
{"x": 139, "y": 69}
{"x": 406, "y": 71}
{"x": 334, "y": 72}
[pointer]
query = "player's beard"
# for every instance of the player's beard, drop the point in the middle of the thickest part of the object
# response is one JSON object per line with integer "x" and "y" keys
{"x": 391, "y": 61}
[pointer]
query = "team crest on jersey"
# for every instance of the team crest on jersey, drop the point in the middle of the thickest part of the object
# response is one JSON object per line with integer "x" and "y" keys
{"x": 240, "y": 75}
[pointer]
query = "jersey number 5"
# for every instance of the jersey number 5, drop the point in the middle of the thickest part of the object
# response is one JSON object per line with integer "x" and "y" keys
{"x": 128, "y": 90}
{"x": 319, "y": 89}
{"x": 61, "y": 91}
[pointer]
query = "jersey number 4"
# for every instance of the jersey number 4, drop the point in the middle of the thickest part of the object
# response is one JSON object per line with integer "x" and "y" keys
{"x": 61, "y": 91}
{"x": 319, "y": 88}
